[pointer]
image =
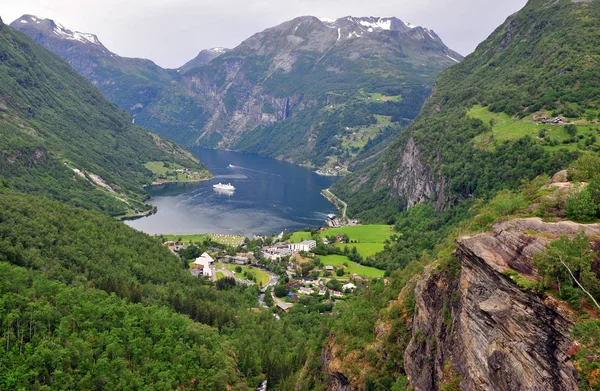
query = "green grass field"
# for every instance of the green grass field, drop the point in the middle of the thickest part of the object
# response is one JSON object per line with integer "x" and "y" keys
{"x": 364, "y": 249}
{"x": 506, "y": 128}
{"x": 169, "y": 174}
{"x": 377, "y": 96}
{"x": 262, "y": 277}
{"x": 371, "y": 233}
{"x": 220, "y": 275}
{"x": 229, "y": 240}
{"x": 186, "y": 238}
{"x": 299, "y": 236}
{"x": 353, "y": 267}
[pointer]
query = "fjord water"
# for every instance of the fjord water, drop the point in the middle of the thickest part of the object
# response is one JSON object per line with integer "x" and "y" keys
{"x": 270, "y": 196}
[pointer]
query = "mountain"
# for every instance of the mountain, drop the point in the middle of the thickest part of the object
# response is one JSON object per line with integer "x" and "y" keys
{"x": 524, "y": 103}
{"x": 128, "y": 82}
{"x": 316, "y": 92}
{"x": 203, "y": 58}
{"x": 308, "y": 90}
{"x": 61, "y": 138}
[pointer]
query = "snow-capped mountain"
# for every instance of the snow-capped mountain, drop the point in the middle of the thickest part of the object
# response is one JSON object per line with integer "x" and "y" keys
{"x": 273, "y": 93}
{"x": 203, "y": 58}
{"x": 126, "y": 81}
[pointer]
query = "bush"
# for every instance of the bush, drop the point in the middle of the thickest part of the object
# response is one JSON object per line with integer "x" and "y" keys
{"x": 584, "y": 168}
{"x": 281, "y": 290}
{"x": 339, "y": 272}
{"x": 238, "y": 269}
{"x": 225, "y": 283}
{"x": 580, "y": 206}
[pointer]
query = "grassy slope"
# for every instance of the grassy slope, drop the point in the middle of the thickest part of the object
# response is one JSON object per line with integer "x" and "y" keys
{"x": 353, "y": 267}
{"x": 507, "y": 128}
{"x": 262, "y": 277}
{"x": 542, "y": 58}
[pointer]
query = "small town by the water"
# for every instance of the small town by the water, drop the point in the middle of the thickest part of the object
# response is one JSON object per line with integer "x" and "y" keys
{"x": 325, "y": 263}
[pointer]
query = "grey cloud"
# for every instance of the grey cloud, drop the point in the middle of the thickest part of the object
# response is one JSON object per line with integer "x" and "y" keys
{"x": 171, "y": 32}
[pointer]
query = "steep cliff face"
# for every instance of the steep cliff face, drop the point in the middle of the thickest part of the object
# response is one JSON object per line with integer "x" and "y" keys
{"x": 483, "y": 331}
{"x": 413, "y": 180}
{"x": 286, "y": 91}
{"x": 514, "y": 76}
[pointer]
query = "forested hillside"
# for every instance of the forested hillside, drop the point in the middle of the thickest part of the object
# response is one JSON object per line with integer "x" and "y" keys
{"x": 87, "y": 302}
{"x": 524, "y": 103}
{"x": 61, "y": 138}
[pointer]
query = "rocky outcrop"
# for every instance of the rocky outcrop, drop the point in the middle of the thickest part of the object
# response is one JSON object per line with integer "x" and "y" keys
{"x": 482, "y": 330}
{"x": 413, "y": 180}
{"x": 331, "y": 365}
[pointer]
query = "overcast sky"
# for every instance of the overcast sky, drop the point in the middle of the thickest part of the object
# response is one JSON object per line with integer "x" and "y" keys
{"x": 171, "y": 32}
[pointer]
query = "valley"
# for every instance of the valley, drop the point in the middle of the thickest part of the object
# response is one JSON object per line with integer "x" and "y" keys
{"x": 388, "y": 215}
{"x": 240, "y": 98}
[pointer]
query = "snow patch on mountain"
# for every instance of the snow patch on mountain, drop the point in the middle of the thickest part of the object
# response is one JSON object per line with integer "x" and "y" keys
{"x": 380, "y": 24}
{"x": 452, "y": 58}
{"x": 65, "y": 33}
{"x": 327, "y": 20}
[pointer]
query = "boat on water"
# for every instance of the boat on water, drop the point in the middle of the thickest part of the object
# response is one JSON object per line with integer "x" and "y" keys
{"x": 222, "y": 186}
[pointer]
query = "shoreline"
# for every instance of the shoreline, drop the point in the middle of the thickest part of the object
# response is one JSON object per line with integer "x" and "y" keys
{"x": 138, "y": 215}
{"x": 336, "y": 201}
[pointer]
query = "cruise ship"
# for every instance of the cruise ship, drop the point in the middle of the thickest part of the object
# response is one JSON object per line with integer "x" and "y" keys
{"x": 222, "y": 186}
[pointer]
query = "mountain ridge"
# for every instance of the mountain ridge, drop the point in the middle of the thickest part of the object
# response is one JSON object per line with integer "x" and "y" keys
{"x": 515, "y": 78}
{"x": 62, "y": 138}
{"x": 278, "y": 83}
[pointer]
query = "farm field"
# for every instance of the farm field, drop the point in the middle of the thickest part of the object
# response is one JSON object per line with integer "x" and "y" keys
{"x": 229, "y": 240}
{"x": 364, "y": 249}
{"x": 372, "y": 233}
{"x": 353, "y": 267}
{"x": 299, "y": 236}
{"x": 262, "y": 277}
{"x": 506, "y": 128}
{"x": 199, "y": 238}
{"x": 169, "y": 174}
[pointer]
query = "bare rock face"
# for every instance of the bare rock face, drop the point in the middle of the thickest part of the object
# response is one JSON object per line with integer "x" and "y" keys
{"x": 413, "y": 180}
{"x": 331, "y": 365}
{"x": 485, "y": 330}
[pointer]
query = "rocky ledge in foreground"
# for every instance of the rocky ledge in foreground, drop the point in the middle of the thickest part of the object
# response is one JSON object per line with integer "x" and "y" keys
{"x": 482, "y": 330}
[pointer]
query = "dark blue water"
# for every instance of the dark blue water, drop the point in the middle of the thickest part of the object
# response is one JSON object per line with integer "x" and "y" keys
{"x": 270, "y": 196}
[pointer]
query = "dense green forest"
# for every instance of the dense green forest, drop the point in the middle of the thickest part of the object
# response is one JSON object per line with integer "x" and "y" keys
{"x": 540, "y": 62}
{"x": 54, "y": 122}
{"x": 91, "y": 303}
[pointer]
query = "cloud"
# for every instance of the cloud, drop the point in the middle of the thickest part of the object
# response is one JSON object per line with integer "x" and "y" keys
{"x": 171, "y": 32}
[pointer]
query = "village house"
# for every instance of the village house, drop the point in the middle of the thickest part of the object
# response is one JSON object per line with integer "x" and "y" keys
{"x": 305, "y": 291}
{"x": 275, "y": 252}
{"x": 285, "y": 307}
{"x": 174, "y": 246}
{"x": 305, "y": 245}
{"x": 203, "y": 266}
{"x": 329, "y": 268}
{"x": 348, "y": 287}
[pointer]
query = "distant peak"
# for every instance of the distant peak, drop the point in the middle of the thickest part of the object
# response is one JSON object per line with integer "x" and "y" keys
{"x": 370, "y": 23}
{"x": 218, "y": 50}
{"x": 51, "y": 26}
{"x": 327, "y": 20}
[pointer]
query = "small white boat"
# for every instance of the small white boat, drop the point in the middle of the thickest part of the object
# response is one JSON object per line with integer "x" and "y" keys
{"x": 221, "y": 186}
